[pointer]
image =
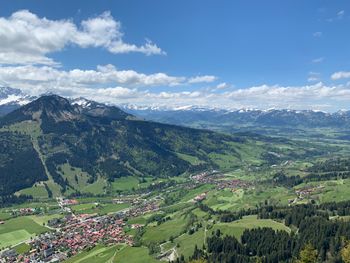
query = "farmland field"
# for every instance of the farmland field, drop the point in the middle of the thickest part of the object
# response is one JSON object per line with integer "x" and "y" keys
{"x": 98, "y": 254}
{"x": 236, "y": 228}
{"x": 16, "y": 230}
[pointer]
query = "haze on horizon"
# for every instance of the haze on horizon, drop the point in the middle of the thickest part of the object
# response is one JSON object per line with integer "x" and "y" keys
{"x": 241, "y": 54}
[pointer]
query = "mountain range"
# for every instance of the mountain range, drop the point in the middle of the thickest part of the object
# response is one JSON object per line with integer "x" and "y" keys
{"x": 208, "y": 118}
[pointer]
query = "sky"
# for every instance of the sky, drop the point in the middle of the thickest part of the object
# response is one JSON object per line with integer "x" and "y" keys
{"x": 290, "y": 54}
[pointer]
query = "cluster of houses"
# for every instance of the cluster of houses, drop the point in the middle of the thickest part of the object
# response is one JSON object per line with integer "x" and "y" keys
{"x": 232, "y": 184}
{"x": 127, "y": 199}
{"x": 74, "y": 234}
{"x": 217, "y": 179}
{"x": 307, "y": 191}
{"x": 206, "y": 177}
{"x": 146, "y": 207}
{"x": 200, "y": 197}
{"x": 25, "y": 211}
{"x": 67, "y": 202}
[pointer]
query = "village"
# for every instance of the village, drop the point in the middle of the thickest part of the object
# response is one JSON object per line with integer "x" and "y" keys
{"x": 217, "y": 179}
{"x": 75, "y": 233}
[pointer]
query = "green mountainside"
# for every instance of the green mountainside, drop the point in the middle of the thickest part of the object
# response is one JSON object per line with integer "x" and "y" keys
{"x": 54, "y": 147}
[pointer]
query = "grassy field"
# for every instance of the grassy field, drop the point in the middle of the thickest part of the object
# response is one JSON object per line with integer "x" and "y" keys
{"x": 113, "y": 254}
{"x": 37, "y": 191}
{"x": 19, "y": 229}
{"x": 188, "y": 242}
{"x": 101, "y": 209}
{"x": 78, "y": 180}
{"x": 134, "y": 255}
{"x": 22, "y": 248}
{"x": 5, "y": 215}
{"x": 236, "y": 228}
{"x": 125, "y": 183}
{"x": 333, "y": 191}
{"x": 98, "y": 254}
{"x": 128, "y": 183}
{"x": 249, "y": 198}
{"x": 161, "y": 233}
{"x": 44, "y": 219}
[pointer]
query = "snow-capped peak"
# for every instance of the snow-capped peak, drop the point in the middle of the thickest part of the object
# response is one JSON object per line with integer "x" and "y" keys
{"x": 14, "y": 96}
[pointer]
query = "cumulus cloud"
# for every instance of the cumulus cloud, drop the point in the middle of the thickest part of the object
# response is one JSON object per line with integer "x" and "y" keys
{"x": 201, "y": 79}
{"x": 37, "y": 79}
{"x": 28, "y": 39}
{"x": 110, "y": 85}
{"x": 341, "y": 75}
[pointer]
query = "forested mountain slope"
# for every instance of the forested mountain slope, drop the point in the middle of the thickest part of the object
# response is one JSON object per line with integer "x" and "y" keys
{"x": 39, "y": 139}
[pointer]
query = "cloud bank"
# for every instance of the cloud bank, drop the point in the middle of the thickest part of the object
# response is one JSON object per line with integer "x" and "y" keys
{"x": 110, "y": 85}
{"x": 28, "y": 39}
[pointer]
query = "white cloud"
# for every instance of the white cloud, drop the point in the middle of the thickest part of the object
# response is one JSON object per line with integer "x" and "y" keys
{"x": 318, "y": 60}
{"x": 37, "y": 79}
{"x": 28, "y": 39}
{"x": 222, "y": 86}
{"x": 202, "y": 79}
{"x": 317, "y": 34}
{"x": 341, "y": 75}
{"x": 107, "y": 84}
{"x": 313, "y": 76}
{"x": 30, "y": 77}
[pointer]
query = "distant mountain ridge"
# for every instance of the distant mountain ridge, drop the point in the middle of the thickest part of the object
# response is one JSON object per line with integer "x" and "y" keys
{"x": 197, "y": 116}
{"x": 204, "y": 118}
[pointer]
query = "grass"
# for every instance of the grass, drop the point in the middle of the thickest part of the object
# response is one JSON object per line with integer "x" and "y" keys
{"x": 196, "y": 191}
{"x": 161, "y": 233}
{"x": 188, "y": 242}
{"x": 125, "y": 183}
{"x": 19, "y": 229}
{"x": 14, "y": 237}
{"x": 249, "y": 198}
{"x": 81, "y": 207}
{"x": 37, "y": 191}
{"x": 336, "y": 190}
{"x": 113, "y": 254}
{"x": 237, "y": 228}
{"x": 5, "y": 215}
{"x": 189, "y": 158}
{"x": 22, "y": 248}
{"x": 134, "y": 255}
{"x": 44, "y": 219}
{"x": 97, "y": 187}
{"x": 78, "y": 180}
{"x": 99, "y": 254}
{"x": 101, "y": 209}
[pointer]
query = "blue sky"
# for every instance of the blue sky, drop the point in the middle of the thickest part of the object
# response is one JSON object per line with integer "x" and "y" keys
{"x": 285, "y": 54}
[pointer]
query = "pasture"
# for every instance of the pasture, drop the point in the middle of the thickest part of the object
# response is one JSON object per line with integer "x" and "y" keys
{"x": 19, "y": 229}
{"x": 237, "y": 228}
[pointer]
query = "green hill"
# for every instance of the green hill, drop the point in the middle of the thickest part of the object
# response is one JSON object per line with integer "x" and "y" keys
{"x": 63, "y": 148}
